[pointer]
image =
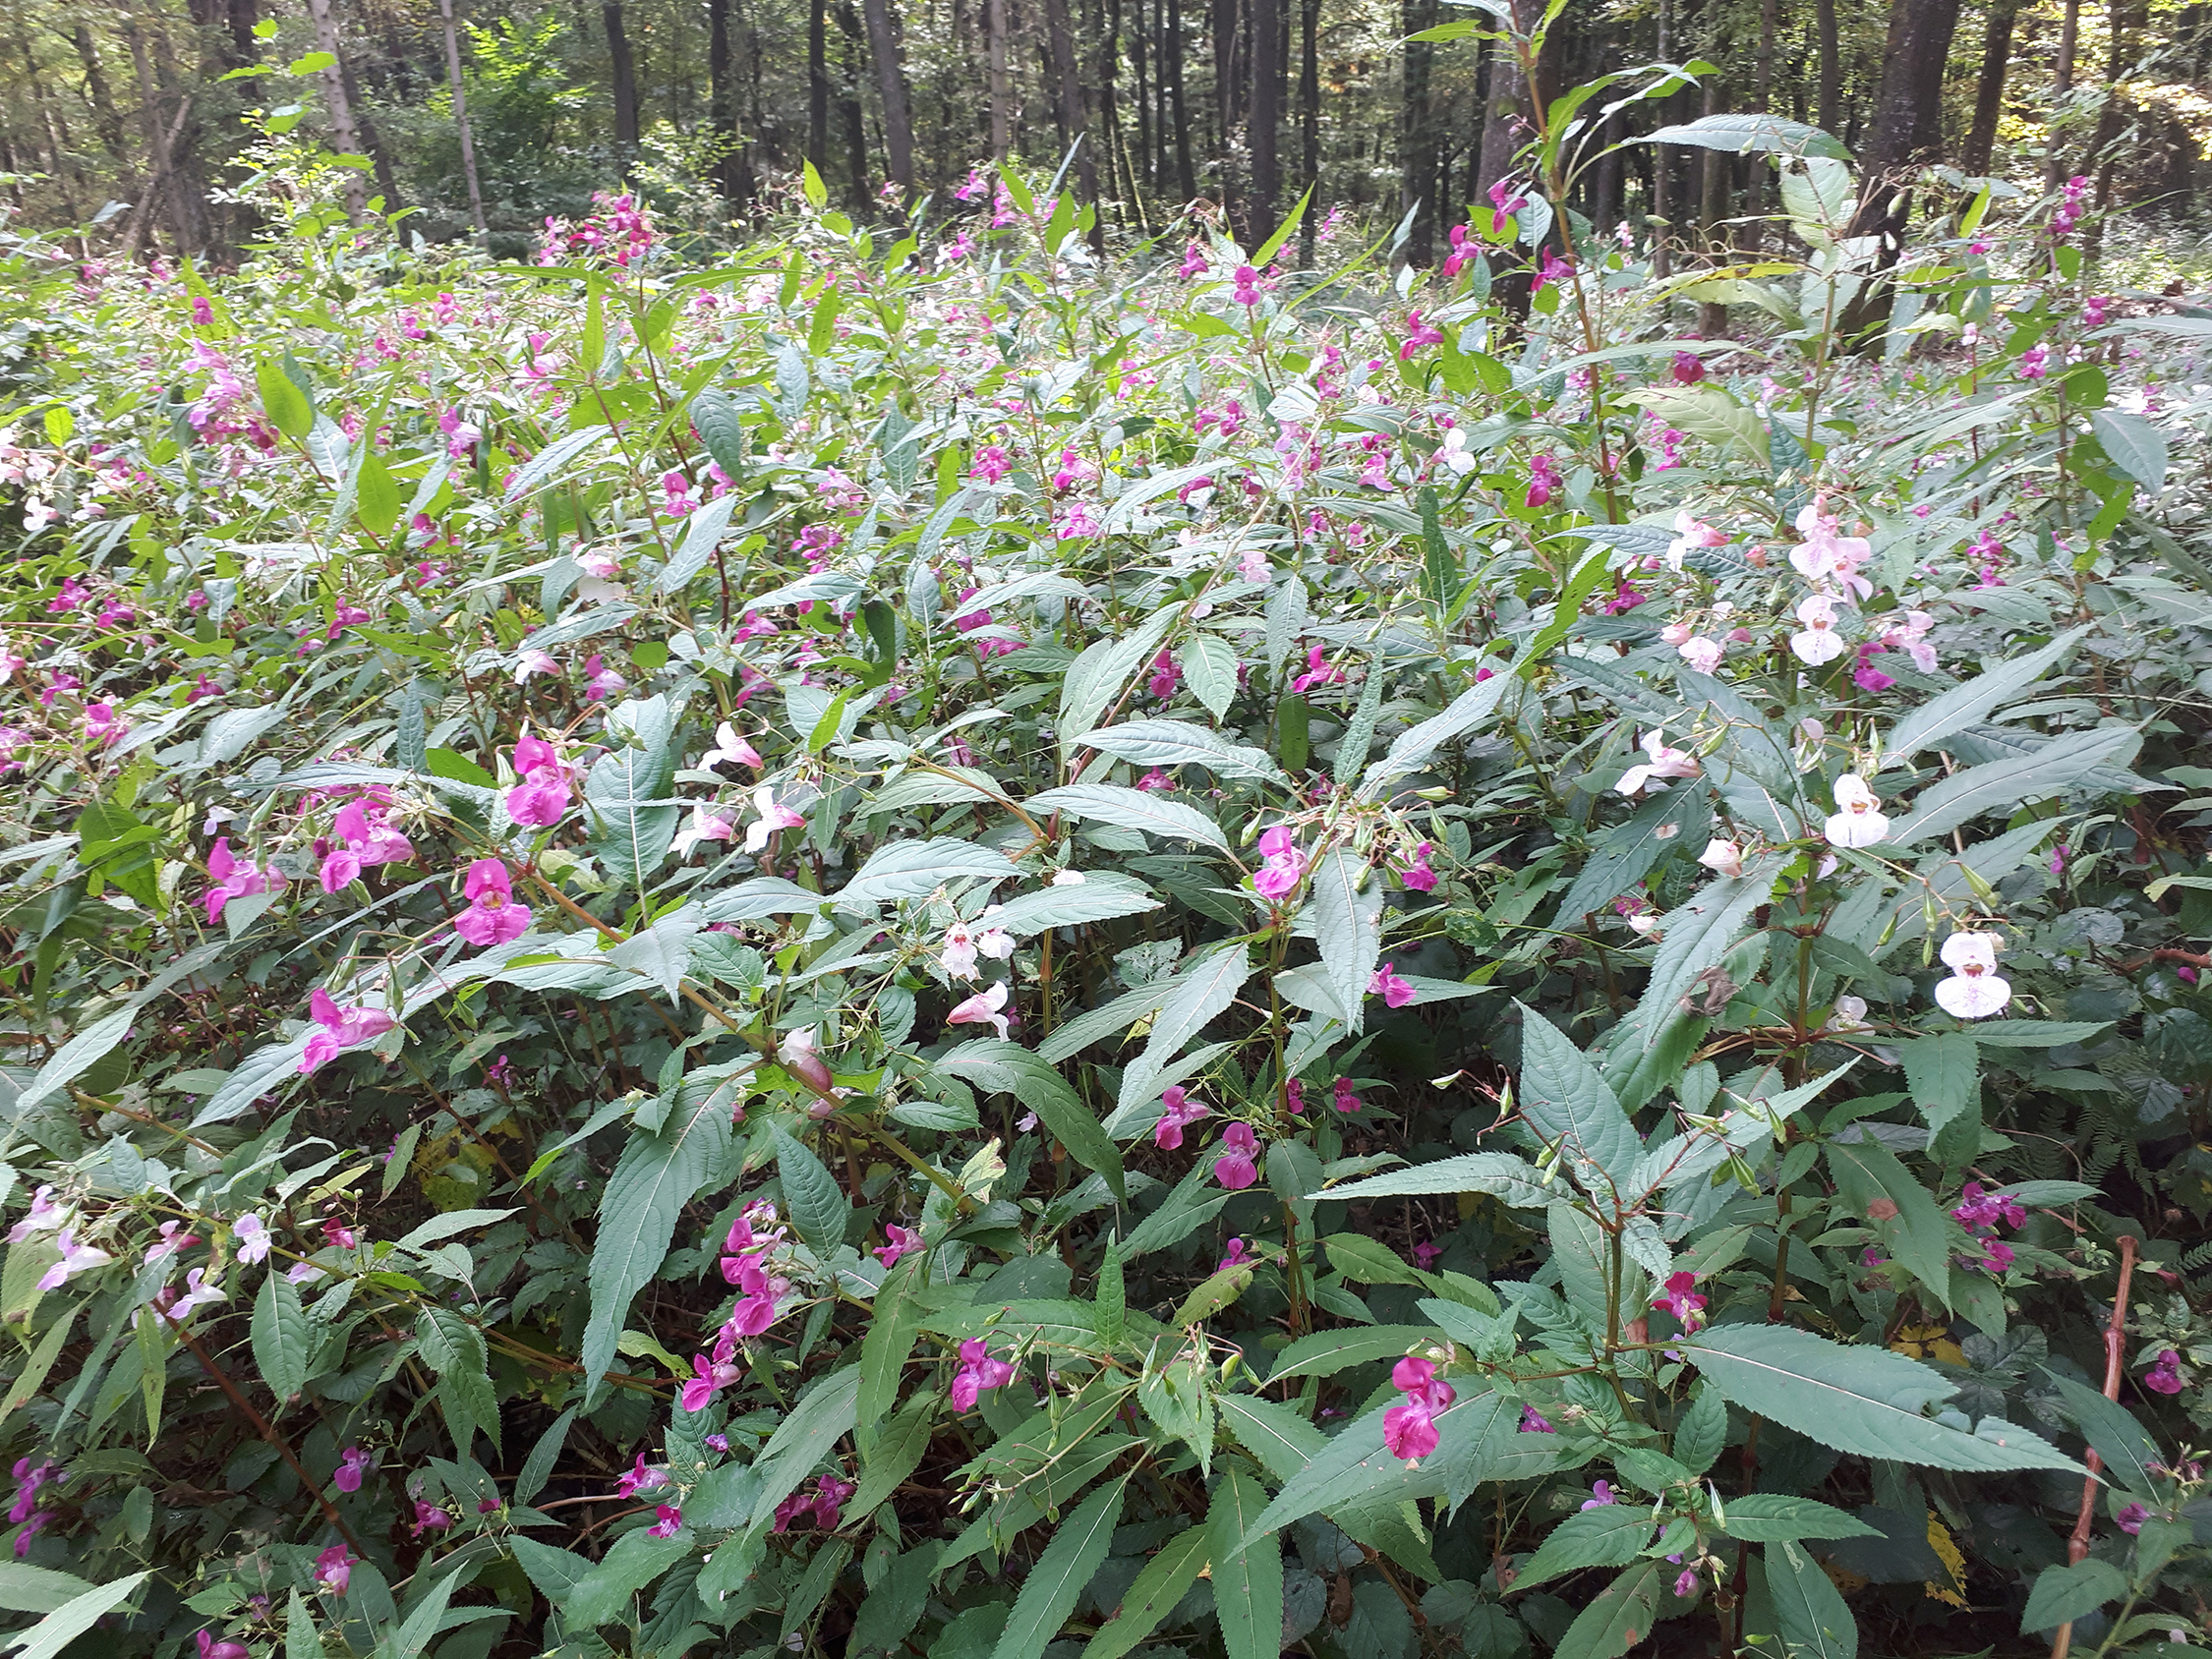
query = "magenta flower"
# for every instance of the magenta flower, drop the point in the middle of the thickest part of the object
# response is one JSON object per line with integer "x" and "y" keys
{"x": 1420, "y": 336}
{"x": 1294, "y": 1097}
{"x": 493, "y": 916}
{"x": 600, "y": 681}
{"x": 1343, "y": 1098}
{"x": 540, "y": 799}
{"x": 638, "y": 1478}
{"x": 1686, "y": 1582}
{"x": 1534, "y": 1421}
{"x": 978, "y": 1371}
{"x": 711, "y": 1375}
{"x": 1688, "y": 368}
{"x": 1318, "y": 671}
{"x": 1236, "y": 1168}
{"x": 1543, "y": 481}
{"x": 429, "y": 1517}
{"x": 829, "y": 1495}
{"x": 1554, "y": 270}
{"x": 1410, "y": 1430}
{"x": 1418, "y": 876}
{"x": 1247, "y": 283}
{"x": 1681, "y": 1299}
{"x": 667, "y": 1519}
{"x": 1237, "y": 1256}
{"x": 903, "y": 1241}
{"x": 2130, "y": 1520}
{"x": 1394, "y": 992}
{"x": 2164, "y": 1376}
{"x": 1178, "y": 1111}
{"x": 209, "y": 1647}
{"x": 71, "y": 595}
{"x": 235, "y": 877}
{"x": 75, "y": 1258}
{"x": 353, "y": 1464}
{"x": 1602, "y": 1492}
{"x": 1282, "y": 865}
{"x": 341, "y": 1029}
{"x": 30, "y": 1477}
{"x": 250, "y": 1236}
{"x": 1427, "y": 1253}
{"x": 361, "y": 825}
{"x": 333, "y": 1569}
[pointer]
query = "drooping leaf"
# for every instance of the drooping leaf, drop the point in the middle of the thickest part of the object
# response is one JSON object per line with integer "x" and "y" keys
{"x": 1505, "y": 1178}
{"x": 1008, "y": 1068}
{"x": 1772, "y": 1517}
{"x": 280, "y": 1337}
{"x": 1933, "y": 722}
{"x": 918, "y": 869}
{"x": 2004, "y": 786}
{"x": 1348, "y": 926}
{"x": 1564, "y": 1098}
{"x": 817, "y": 1206}
{"x": 1911, "y": 1225}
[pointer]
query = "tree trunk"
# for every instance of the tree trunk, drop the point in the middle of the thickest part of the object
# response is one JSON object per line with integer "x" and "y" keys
{"x": 1185, "y": 175}
{"x": 372, "y": 145}
{"x": 1147, "y": 154}
{"x": 2120, "y": 18}
{"x": 2062, "y": 82}
{"x": 1908, "y": 124}
{"x": 891, "y": 83}
{"x": 1067, "y": 89}
{"x": 1120, "y": 185}
{"x": 1309, "y": 120}
{"x": 818, "y": 83}
{"x": 97, "y": 93}
{"x": 1266, "y": 120}
{"x": 246, "y": 46}
{"x": 1989, "y": 91}
{"x": 1832, "y": 65}
{"x": 624, "y": 74}
{"x": 345, "y": 139}
{"x": 1228, "y": 108}
{"x": 1662, "y": 159}
{"x": 1503, "y": 105}
{"x": 848, "y": 106}
{"x": 1417, "y": 133}
{"x": 1762, "y": 94}
{"x": 722, "y": 107}
{"x": 1713, "y": 209}
{"x": 461, "y": 116}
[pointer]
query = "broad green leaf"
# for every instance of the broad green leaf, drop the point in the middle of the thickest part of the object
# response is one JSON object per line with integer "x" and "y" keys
{"x": 425, "y": 1618}
{"x": 893, "y": 1325}
{"x": 25, "y": 1588}
{"x": 1101, "y": 896}
{"x": 1326, "y": 1352}
{"x": 1694, "y": 936}
{"x": 892, "y": 1454}
{"x": 1348, "y": 926}
{"x": 2003, "y": 787}
{"x": 1702, "y": 1431}
{"x": 702, "y": 533}
{"x": 1619, "y": 1616}
{"x": 1864, "y": 1400}
{"x": 918, "y": 869}
{"x": 893, "y": 1607}
{"x": 1201, "y": 992}
{"x": 1564, "y": 1098}
{"x": 1510, "y": 1179}
{"x": 1607, "y": 1535}
{"x": 802, "y": 1440}
{"x": 633, "y": 1560}
{"x": 1356, "y": 1471}
{"x": 1943, "y": 1073}
{"x": 654, "y": 1178}
{"x": 1164, "y": 1581}
{"x": 715, "y": 417}
{"x": 1050, "y": 1592}
{"x": 1130, "y": 809}
{"x": 282, "y": 400}
{"x": 1177, "y": 743}
{"x": 818, "y": 1207}
{"x": 547, "y": 465}
{"x": 1096, "y": 677}
{"x": 538, "y": 1467}
{"x": 47, "y": 1638}
{"x": 2137, "y": 448}
{"x": 1809, "y": 1608}
{"x": 280, "y": 1337}
{"x": 1414, "y": 748}
{"x": 1210, "y": 663}
{"x": 662, "y": 952}
{"x": 1247, "y": 1576}
{"x": 1628, "y": 852}
{"x": 1774, "y": 1518}
{"x": 2126, "y": 1451}
{"x": 2062, "y": 1594}
{"x": 1911, "y": 1225}
{"x": 456, "y": 1349}
{"x": 1008, "y": 1068}
{"x": 1747, "y": 134}
{"x": 1933, "y": 722}
{"x": 632, "y": 820}
{"x": 1282, "y": 1440}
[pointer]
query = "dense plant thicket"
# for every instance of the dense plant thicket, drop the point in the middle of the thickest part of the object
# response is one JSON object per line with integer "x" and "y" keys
{"x": 920, "y": 946}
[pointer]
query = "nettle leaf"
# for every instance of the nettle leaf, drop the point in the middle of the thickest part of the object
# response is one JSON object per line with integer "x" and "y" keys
{"x": 1101, "y": 896}
{"x": 1943, "y": 1073}
{"x": 657, "y": 1176}
{"x": 1864, "y": 1401}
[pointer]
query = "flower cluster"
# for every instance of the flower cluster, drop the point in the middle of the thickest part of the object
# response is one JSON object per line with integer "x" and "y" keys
{"x": 1979, "y": 1213}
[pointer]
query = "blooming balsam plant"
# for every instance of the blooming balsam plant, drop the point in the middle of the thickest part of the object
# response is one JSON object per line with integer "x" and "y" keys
{"x": 921, "y": 943}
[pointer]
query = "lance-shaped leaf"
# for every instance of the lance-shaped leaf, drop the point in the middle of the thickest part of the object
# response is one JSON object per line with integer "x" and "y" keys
{"x": 1348, "y": 926}
{"x": 1864, "y": 1400}
{"x": 1011, "y": 1069}
{"x": 1505, "y": 1178}
{"x": 1415, "y": 747}
{"x": 1247, "y": 1576}
{"x": 1564, "y": 1098}
{"x": 2004, "y": 786}
{"x": 1050, "y": 1592}
{"x": 1912, "y": 1228}
{"x": 1178, "y": 743}
{"x": 918, "y": 869}
{"x": 1809, "y": 1610}
{"x": 1618, "y": 1617}
{"x": 1936, "y": 721}
{"x": 1130, "y": 809}
{"x": 1166, "y": 1578}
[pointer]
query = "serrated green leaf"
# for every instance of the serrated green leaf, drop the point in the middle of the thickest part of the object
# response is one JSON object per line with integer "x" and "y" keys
{"x": 1505, "y": 1178}
{"x": 1564, "y": 1098}
{"x": 1130, "y": 809}
{"x": 1163, "y": 1583}
{"x": 2062, "y": 1594}
{"x": 1620, "y": 1615}
{"x": 1065, "y": 1566}
{"x": 1814, "y": 1619}
{"x": 817, "y": 1206}
{"x": 280, "y": 1337}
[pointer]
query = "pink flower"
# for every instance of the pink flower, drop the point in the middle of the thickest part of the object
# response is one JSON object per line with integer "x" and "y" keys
{"x": 1418, "y": 876}
{"x": 978, "y": 1371}
{"x": 1664, "y": 762}
{"x": 341, "y": 1029}
{"x": 1554, "y": 269}
{"x": 234, "y": 879}
{"x": 1534, "y": 1421}
{"x": 30, "y": 1477}
{"x": 982, "y": 1009}
{"x": 540, "y": 799}
{"x": 534, "y": 662}
{"x": 1420, "y": 336}
{"x": 710, "y": 1375}
{"x": 1282, "y": 865}
{"x": 667, "y": 1519}
{"x": 1394, "y": 992}
{"x": 1178, "y": 1113}
{"x": 772, "y": 816}
{"x": 1294, "y": 1097}
{"x": 2130, "y": 1520}
{"x": 493, "y": 916}
{"x": 1343, "y": 1098}
{"x": 71, "y": 595}
{"x": 75, "y": 1258}
{"x": 1410, "y": 1431}
{"x": 730, "y": 747}
{"x": 829, "y": 1495}
{"x": 639, "y": 1478}
{"x": 2164, "y": 1376}
{"x": 903, "y": 1241}
{"x": 1246, "y": 286}
{"x": 429, "y": 1517}
{"x": 1427, "y": 1253}
{"x": 209, "y": 1647}
{"x": 1685, "y": 1581}
{"x": 353, "y": 1464}
{"x": 45, "y": 1217}
{"x": 599, "y": 680}
{"x": 1681, "y": 1299}
{"x": 991, "y": 464}
{"x": 1237, "y": 1256}
{"x": 333, "y": 1569}
{"x": 1235, "y": 1169}
{"x": 1688, "y": 368}
{"x": 1600, "y": 1495}
{"x": 1544, "y": 482}
{"x": 1318, "y": 671}
{"x": 1155, "y": 781}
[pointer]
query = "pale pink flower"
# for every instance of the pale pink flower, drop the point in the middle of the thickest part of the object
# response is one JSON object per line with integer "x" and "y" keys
{"x": 982, "y": 1009}
{"x": 1665, "y": 763}
{"x": 1858, "y": 821}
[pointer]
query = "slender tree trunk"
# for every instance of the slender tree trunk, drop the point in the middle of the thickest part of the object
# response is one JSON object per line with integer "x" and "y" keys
{"x": 1504, "y": 104}
{"x": 1228, "y": 107}
{"x": 1122, "y": 187}
{"x": 1417, "y": 133}
{"x": 104, "y": 119}
{"x": 1266, "y": 119}
{"x": 459, "y": 91}
{"x": 848, "y": 106}
{"x": 2062, "y": 82}
{"x": 1144, "y": 69}
{"x": 1762, "y": 94}
{"x": 1832, "y": 64}
{"x": 1663, "y": 162}
{"x": 1068, "y": 91}
{"x": 1186, "y": 174}
{"x": 2120, "y": 18}
{"x": 246, "y": 46}
{"x": 729, "y": 169}
{"x": 1908, "y": 124}
{"x": 162, "y": 150}
{"x": 1309, "y": 120}
{"x": 1713, "y": 214}
{"x": 1002, "y": 85}
{"x": 891, "y": 82}
{"x": 818, "y": 83}
{"x": 624, "y": 75}
{"x": 1989, "y": 89}
{"x": 345, "y": 138}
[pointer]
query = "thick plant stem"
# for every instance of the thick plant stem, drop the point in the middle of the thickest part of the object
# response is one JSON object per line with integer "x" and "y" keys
{"x": 2078, "y": 1546}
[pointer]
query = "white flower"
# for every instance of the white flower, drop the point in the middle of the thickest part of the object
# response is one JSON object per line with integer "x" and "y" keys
{"x": 252, "y": 1236}
{"x": 958, "y": 955}
{"x": 705, "y": 825}
{"x": 1647, "y": 924}
{"x": 982, "y": 1009}
{"x": 1067, "y": 877}
{"x": 1455, "y": 454}
{"x": 1665, "y": 763}
{"x": 772, "y": 819}
{"x": 1973, "y": 991}
{"x": 1723, "y": 857}
{"x": 1849, "y": 1015}
{"x": 1819, "y": 643}
{"x": 1702, "y": 654}
{"x": 1858, "y": 820}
